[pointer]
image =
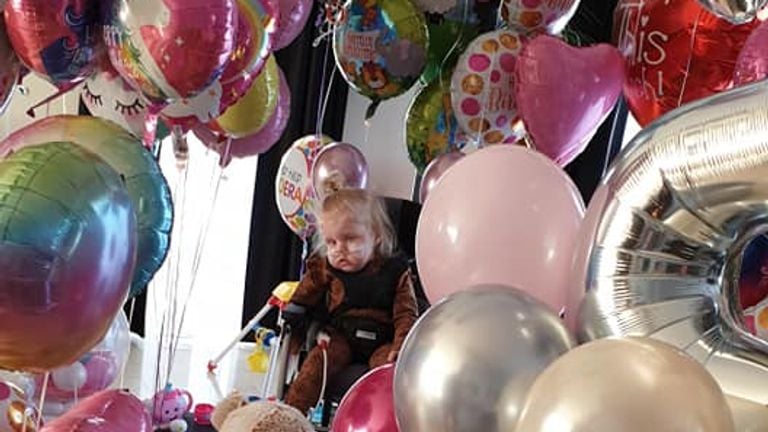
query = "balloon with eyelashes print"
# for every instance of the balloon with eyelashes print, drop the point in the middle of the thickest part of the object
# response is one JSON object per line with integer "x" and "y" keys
{"x": 107, "y": 95}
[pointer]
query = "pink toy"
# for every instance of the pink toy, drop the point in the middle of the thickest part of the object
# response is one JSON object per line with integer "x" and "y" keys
{"x": 168, "y": 405}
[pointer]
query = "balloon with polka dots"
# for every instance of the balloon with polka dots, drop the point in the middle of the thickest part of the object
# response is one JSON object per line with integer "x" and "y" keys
{"x": 537, "y": 16}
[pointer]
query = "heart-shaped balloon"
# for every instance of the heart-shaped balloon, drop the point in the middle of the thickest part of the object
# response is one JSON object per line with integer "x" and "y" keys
{"x": 752, "y": 64}
{"x": 561, "y": 115}
{"x": 107, "y": 411}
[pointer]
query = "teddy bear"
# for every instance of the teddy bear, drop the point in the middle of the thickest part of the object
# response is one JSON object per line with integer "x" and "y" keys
{"x": 233, "y": 414}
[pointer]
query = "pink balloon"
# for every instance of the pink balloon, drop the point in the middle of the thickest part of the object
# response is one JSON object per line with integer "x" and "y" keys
{"x": 752, "y": 64}
{"x": 107, "y": 411}
{"x": 262, "y": 140}
{"x": 293, "y": 17}
{"x": 435, "y": 171}
{"x": 564, "y": 93}
{"x": 369, "y": 406}
{"x": 502, "y": 215}
{"x": 339, "y": 162}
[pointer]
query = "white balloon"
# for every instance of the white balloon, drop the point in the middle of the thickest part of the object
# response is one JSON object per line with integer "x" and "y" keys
{"x": 70, "y": 378}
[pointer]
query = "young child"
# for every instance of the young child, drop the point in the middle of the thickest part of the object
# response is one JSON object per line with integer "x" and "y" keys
{"x": 356, "y": 286}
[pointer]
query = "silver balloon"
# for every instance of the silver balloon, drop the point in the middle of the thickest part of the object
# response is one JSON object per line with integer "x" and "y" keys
{"x": 735, "y": 11}
{"x": 469, "y": 361}
{"x": 683, "y": 200}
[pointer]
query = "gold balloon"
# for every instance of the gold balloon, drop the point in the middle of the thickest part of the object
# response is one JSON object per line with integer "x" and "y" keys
{"x": 628, "y": 385}
{"x": 248, "y": 115}
{"x": 16, "y": 414}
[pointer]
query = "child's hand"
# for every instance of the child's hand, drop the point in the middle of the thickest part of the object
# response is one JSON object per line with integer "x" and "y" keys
{"x": 392, "y": 357}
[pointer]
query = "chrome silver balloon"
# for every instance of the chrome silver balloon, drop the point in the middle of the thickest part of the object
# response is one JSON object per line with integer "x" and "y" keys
{"x": 469, "y": 361}
{"x": 683, "y": 200}
{"x": 735, "y": 11}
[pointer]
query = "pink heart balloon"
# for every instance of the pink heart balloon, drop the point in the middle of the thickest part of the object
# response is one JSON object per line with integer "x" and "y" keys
{"x": 107, "y": 411}
{"x": 564, "y": 93}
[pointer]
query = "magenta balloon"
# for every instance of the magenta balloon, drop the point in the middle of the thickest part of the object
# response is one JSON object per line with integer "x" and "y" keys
{"x": 435, "y": 171}
{"x": 564, "y": 93}
{"x": 752, "y": 64}
{"x": 503, "y": 215}
{"x": 343, "y": 161}
{"x": 107, "y": 411}
{"x": 293, "y": 17}
{"x": 369, "y": 405}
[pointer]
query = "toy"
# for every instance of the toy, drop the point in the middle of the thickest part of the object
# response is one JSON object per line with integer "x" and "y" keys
{"x": 233, "y": 414}
{"x": 168, "y": 405}
{"x": 258, "y": 361}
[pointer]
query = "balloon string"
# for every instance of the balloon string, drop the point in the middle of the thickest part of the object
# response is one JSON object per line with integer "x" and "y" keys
{"x": 321, "y": 119}
{"x": 690, "y": 59}
{"x": 43, "y": 393}
{"x": 319, "y": 124}
{"x": 457, "y": 42}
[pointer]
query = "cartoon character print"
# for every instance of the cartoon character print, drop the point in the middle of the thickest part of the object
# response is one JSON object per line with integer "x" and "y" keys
{"x": 375, "y": 78}
{"x": 68, "y": 57}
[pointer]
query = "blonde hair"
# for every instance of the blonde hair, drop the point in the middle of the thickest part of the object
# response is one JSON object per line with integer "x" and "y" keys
{"x": 366, "y": 209}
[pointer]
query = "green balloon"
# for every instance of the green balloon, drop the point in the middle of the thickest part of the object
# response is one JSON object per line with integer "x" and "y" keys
{"x": 447, "y": 41}
{"x": 431, "y": 129}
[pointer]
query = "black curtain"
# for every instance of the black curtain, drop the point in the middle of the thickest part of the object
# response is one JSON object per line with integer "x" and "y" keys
{"x": 275, "y": 252}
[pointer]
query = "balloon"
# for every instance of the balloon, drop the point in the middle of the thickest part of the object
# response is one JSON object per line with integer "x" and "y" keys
{"x": 266, "y": 416}
{"x": 516, "y": 225}
{"x": 676, "y": 52}
{"x": 170, "y": 49}
{"x": 106, "y": 411}
{"x": 253, "y": 111}
{"x": 482, "y": 87}
{"x": 58, "y": 39}
{"x": 294, "y": 15}
{"x": 294, "y": 194}
{"x": 467, "y": 364}
{"x": 752, "y": 63}
{"x": 145, "y": 183}
{"x": 67, "y": 254}
{"x": 341, "y": 164}
{"x": 381, "y": 47}
{"x": 684, "y": 198}
{"x": 259, "y": 142}
{"x": 531, "y": 16}
{"x": 255, "y": 29}
{"x": 436, "y": 6}
{"x": 595, "y": 79}
{"x": 449, "y": 36}
{"x": 369, "y": 405}
{"x": 17, "y": 413}
{"x": 9, "y": 69}
{"x": 435, "y": 171}
{"x": 431, "y": 128}
{"x": 634, "y": 385}
{"x": 735, "y": 11}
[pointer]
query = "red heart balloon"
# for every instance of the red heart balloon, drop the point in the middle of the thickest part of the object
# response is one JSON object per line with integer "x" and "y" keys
{"x": 676, "y": 52}
{"x": 106, "y": 411}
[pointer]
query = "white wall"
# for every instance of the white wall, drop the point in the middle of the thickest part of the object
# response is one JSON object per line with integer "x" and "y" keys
{"x": 35, "y": 90}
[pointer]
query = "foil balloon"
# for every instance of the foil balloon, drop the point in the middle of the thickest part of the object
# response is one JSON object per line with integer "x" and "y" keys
{"x": 170, "y": 49}
{"x": 17, "y": 413}
{"x": 490, "y": 342}
{"x": 294, "y": 193}
{"x": 449, "y": 35}
{"x": 735, "y": 11}
{"x": 435, "y": 171}
{"x": 9, "y": 69}
{"x": 67, "y": 250}
{"x": 339, "y": 165}
{"x": 635, "y": 385}
{"x": 144, "y": 182}
{"x": 533, "y": 16}
{"x": 252, "y": 111}
{"x": 431, "y": 128}
{"x": 58, "y": 39}
{"x": 294, "y": 15}
{"x": 436, "y": 6}
{"x": 483, "y": 85}
{"x": 106, "y": 411}
{"x": 369, "y": 405}
{"x": 683, "y": 199}
{"x": 381, "y": 47}
{"x": 596, "y": 77}
{"x": 107, "y": 95}
{"x": 752, "y": 64}
{"x": 676, "y": 52}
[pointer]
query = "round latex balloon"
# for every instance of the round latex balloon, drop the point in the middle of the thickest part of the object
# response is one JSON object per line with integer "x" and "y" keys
{"x": 435, "y": 171}
{"x": 369, "y": 406}
{"x": 58, "y": 39}
{"x": 752, "y": 64}
{"x": 339, "y": 165}
{"x": 483, "y": 85}
{"x": 381, "y": 47}
{"x": 676, "y": 52}
{"x": 626, "y": 379}
{"x": 67, "y": 253}
{"x": 170, "y": 49}
{"x": 9, "y": 68}
{"x": 294, "y": 15}
{"x": 144, "y": 182}
{"x": 449, "y": 35}
{"x": 107, "y": 95}
{"x": 517, "y": 225}
{"x": 431, "y": 128}
{"x": 295, "y": 196}
{"x": 248, "y": 115}
{"x": 106, "y": 411}
{"x": 17, "y": 413}
{"x": 533, "y": 16}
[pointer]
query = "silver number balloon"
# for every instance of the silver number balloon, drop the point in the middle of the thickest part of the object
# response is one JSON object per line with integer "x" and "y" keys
{"x": 682, "y": 202}
{"x": 468, "y": 363}
{"x": 735, "y": 11}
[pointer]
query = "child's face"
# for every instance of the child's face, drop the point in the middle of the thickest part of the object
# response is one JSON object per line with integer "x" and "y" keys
{"x": 350, "y": 244}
